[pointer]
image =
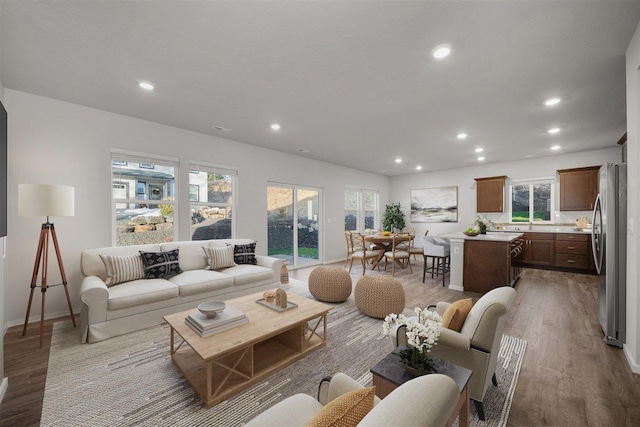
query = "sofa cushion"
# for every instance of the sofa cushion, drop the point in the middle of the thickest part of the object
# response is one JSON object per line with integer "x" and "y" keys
{"x": 219, "y": 257}
{"x": 191, "y": 255}
{"x": 254, "y": 274}
{"x": 245, "y": 254}
{"x": 161, "y": 264}
{"x": 122, "y": 268}
{"x": 197, "y": 281}
{"x": 346, "y": 410}
{"x": 140, "y": 292}
{"x": 91, "y": 264}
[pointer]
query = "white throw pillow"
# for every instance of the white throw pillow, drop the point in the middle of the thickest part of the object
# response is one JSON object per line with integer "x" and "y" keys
{"x": 123, "y": 268}
{"x": 219, "y": 257}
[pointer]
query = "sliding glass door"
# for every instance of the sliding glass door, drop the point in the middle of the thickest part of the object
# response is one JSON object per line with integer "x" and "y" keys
{"x": 293, "y": 221}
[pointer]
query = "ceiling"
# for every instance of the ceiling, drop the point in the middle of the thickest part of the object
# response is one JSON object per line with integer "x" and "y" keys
{"x": 353, "y": 82}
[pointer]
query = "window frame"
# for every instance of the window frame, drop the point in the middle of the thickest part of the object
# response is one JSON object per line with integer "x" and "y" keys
{"x": 197, "y": 167}
{"x": 360, "y": 209}
{"x": 530, "y": 183}
{"x": 120, "y": 158}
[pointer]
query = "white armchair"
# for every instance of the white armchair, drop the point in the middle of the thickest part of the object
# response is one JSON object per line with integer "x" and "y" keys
{"x": 405, "y": 406}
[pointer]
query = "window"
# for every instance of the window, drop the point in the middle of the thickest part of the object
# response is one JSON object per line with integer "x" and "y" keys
{"x": 143, "y": 198}
{"x": 194, "y": 193}
{"x": 211, "y": 193}
{"x": 531, "y": 201}
{"x": 360, "y": 209}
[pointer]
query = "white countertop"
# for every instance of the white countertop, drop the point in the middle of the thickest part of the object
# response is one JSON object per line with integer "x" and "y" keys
{"x": 540, "y": 229}
{"x": 501, "y": 236}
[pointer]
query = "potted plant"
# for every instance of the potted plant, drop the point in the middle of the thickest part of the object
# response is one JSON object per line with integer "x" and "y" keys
{"x": 393, "y": 218}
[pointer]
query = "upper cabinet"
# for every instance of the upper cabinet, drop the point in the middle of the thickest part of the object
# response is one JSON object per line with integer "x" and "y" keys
{"x": 578, "y": 188}
{"x": 490, "y": 194}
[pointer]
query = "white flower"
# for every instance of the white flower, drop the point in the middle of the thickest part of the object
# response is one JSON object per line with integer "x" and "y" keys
{"x": 422, "y": 331}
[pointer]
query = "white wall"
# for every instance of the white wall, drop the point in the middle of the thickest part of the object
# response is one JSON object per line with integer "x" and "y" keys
{"x": 3, "y": 380}
{"x": 61, "y": 143}
{"x": 632, "y": 346}
{"x": 464, "y": 179}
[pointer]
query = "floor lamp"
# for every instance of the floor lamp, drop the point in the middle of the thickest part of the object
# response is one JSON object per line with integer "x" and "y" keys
{"x": 46, "y": 200}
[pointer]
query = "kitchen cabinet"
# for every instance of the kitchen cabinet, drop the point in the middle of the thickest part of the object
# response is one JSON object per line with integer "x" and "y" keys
{"x": 573, "y": 251}
{"x": 489, "y": 265}
{"x": 539, "y": 248}
{"x": 490, "y": 194}
{"x": 578, "y": 188}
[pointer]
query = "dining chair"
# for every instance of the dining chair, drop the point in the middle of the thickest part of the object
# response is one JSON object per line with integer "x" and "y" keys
{"x": 413, "y": 249}
{"x": 439, "y": 250}
{"x": 362, "y": 252}
{"x": 347, "y": 235}
{"x": 396, "y": 254}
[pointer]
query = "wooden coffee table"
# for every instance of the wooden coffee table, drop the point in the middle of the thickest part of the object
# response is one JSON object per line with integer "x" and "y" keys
{"x": 222, "y": 365}
{"x": 389, "y": 374}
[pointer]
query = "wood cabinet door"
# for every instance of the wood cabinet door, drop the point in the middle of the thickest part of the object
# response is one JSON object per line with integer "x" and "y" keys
{"x": 539, "y": 248}
{"x": 578, "y": 188}
{"x": 490, "y": 194}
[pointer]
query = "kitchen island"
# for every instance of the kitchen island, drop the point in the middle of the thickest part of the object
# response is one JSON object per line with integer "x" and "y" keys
{"x": 484, "y": 262}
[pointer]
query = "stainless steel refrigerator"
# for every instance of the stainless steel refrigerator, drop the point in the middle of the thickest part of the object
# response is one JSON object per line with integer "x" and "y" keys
{"x": 609, "y": 243}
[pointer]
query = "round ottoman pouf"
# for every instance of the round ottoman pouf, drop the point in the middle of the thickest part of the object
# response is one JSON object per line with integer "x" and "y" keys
{"x": 330, "y": 284}
{"x": 378, "y": 296}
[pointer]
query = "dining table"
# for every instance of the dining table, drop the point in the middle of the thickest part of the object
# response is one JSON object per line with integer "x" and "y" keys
{"x": 385, "y": 243}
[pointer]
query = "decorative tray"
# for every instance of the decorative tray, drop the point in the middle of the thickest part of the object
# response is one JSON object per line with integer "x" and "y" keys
{"x": 273, "y": 306}
{"x": 466, "y": 233}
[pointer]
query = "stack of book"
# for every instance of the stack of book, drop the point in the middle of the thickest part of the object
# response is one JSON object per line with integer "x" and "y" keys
{"x": 205, "y": 326}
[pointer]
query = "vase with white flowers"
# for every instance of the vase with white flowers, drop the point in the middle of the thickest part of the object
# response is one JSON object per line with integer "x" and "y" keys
{"x": 422, "y": 334}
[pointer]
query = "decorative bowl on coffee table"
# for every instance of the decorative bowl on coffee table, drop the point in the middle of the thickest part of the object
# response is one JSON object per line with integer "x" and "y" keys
{"x": 212, "y": 308}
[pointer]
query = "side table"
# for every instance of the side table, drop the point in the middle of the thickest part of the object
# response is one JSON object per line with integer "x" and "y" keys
{"x": 389, "y": 373}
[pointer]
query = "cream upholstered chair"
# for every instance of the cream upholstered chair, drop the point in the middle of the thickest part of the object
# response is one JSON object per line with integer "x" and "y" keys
{"x": 477, "y": 344}
{"x": 439, "y": 250}
{"x": 362, "y": 252}
{"x": 396, "y": 254}
{"x": 405, "y": 406}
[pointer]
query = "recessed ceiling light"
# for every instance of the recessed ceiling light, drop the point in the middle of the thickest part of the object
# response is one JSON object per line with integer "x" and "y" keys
{"x": 552, "y": 101}
{"x": 303, "y": 150}
{"x": 418, "y": 168}
{"x": 554, "y": 131}
{"x": 481, "y": 159}
{"x": 221, "y": 129}
{"x": 145, "y": 85}
{"x": 275, "y": 126}
{"x": 462, "y": 135}
{"x": 479, "y": 150}
{"x": 555, "y": 147}
{"x": 442, "y": 51}
{"x": 398, "y": 160}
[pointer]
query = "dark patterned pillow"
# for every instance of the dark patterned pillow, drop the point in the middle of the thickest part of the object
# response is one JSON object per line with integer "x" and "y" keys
{"x": 160, "y": 264}
{"x": 245, "y": 254}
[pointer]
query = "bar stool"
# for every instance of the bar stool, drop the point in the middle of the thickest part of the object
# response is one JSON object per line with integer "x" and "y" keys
{"x": 439, "y": 251}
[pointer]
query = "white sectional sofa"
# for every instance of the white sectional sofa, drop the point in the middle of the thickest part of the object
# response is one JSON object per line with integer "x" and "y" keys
{"x": 108, "y": 311}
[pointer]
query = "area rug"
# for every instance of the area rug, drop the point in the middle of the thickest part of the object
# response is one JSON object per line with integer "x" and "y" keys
{"x": 131, "y": 381}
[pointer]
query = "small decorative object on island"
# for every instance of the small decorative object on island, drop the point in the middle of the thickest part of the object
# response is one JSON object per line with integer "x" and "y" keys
{"x": 393, "y": 218}
{"x": 422, "y": 334}
{"x": 281, "y": 298}
{"x": 483, "y": 224}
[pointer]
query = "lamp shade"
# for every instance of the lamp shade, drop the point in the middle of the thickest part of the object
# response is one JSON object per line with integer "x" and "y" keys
{"x": 46, "y": 200}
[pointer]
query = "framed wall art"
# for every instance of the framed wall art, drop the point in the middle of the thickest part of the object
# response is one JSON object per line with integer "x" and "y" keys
{"x": 434, "y": 204}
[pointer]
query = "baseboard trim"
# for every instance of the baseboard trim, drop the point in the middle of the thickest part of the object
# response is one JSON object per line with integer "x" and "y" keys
{"x": 635, "y": 367}
{"x": 3, "y": 387}
{"x": 33, "y": 319}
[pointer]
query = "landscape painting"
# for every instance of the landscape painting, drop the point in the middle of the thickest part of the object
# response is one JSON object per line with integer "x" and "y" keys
{"x": 434, "y": 204}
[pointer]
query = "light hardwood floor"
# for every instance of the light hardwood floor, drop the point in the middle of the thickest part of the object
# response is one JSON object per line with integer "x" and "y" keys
{"x": 569, "y": 376}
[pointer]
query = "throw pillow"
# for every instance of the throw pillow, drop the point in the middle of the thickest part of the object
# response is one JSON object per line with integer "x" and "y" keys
{"x": 122, "y": 268}
{"x": 454, "y": 316}
{"x": 245, "y": 254}
{"x": 160, "y": 264}
{"x": 219, "y": 257}
{"x": 345, "y": 411}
